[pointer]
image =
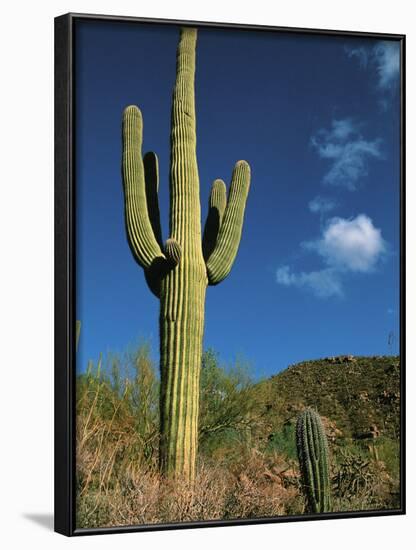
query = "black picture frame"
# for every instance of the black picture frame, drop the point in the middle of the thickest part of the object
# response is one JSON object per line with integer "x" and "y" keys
{"x": 65, "y": 281}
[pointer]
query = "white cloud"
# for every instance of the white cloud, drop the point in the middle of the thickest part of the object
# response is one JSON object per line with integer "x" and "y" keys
{"x": 350, "y": 245}
{"x": 345, "y": 246}
{"x": 324, "y": 283}
{"x": 387, "y": 61}
{"x": 383, "y": 58}
{"x": 342, "y": 129}
{"x": 360, "y": 53}
{"x": 348, "y": 152}
{"x": 322, "y": 205}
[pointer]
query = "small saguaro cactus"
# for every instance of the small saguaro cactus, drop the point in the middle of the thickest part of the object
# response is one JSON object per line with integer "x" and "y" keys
{"x": 179, "y": 271}
{"x": 312, "y": 447}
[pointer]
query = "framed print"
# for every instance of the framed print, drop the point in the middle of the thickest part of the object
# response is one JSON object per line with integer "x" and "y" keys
{"x": 229, "y": 274}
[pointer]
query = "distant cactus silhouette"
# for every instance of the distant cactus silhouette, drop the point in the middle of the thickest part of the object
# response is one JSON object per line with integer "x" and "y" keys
{"x": 77, "y": 333}
{"x": 312, "y": 447}
{"x": 179, "y": 271}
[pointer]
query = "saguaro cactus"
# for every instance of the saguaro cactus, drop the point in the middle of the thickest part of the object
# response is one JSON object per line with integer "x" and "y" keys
{"x": 312, "y": 446}
{"x": 179, "y": 271}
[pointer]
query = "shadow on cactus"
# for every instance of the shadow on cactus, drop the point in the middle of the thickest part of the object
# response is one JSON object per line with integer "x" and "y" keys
{"x": 179, "y": 271}
{"x": 313, "y": 455}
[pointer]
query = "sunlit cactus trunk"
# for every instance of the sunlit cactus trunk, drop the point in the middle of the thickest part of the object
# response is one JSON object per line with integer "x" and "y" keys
{"x": 182, "y": 295}
{"x": 179, "y": 271}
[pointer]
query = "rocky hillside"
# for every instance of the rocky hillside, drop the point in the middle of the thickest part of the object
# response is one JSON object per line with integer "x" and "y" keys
{"x": 359, "y": 396}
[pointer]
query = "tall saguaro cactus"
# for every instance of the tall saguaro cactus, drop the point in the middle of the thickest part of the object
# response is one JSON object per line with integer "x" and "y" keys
{"x": 312, "y": 446}
{"x": 179, "y": 271}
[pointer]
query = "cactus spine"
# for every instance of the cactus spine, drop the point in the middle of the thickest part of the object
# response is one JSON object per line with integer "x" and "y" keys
{"x": 179, "y": 271}
{"x": 312, "y": 446}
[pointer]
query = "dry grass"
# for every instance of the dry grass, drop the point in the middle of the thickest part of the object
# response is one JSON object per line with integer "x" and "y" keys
{"x": 249, "y": 490}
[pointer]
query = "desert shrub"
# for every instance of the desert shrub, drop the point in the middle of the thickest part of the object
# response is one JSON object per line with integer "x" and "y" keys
{"x": 117, "y": 419}
{"x": 228, "y": 411}
{"x": 284, "y": 441}
{"x": 388, "y": 451}
{"x": 252, "y": 488}
{"x": 361, "y": 482}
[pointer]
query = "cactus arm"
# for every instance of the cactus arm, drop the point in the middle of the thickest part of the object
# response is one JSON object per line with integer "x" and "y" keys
{"x": 161, "y": 266}
{"x": 151, "y": 176}
{"x": 173, "y": 252}
{"x": 142, "y": 240}
{"x": 216, "y": 207}
{"x": 153, "y": 276}
{"x": 222, "y": 258}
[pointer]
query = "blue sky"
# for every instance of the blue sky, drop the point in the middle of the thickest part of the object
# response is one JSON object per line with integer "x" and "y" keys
{"x": 318, "y": 119}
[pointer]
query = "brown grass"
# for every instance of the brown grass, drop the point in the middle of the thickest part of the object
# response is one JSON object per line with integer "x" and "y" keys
{"x": 248, "y": 490}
